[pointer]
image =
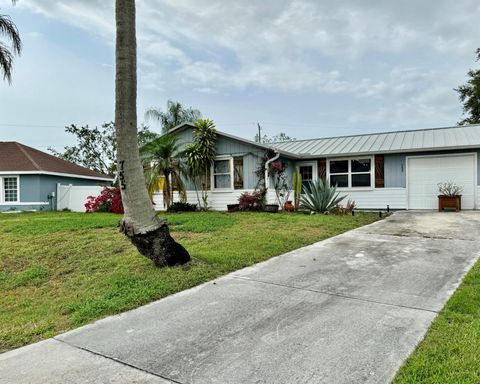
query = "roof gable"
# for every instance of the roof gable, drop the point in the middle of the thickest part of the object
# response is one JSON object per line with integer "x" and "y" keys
{"x": 16, "y": 157}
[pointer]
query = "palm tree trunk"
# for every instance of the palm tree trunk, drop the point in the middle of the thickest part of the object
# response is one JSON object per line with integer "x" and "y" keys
{"x": 140, "y": 224}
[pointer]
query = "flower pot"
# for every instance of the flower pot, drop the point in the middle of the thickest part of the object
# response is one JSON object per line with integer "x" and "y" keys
{"x": 288, "y": 206}
{"x": 233, "y": 207}
{"x": 271, "y": 208}
{"x": 450, "y": 202}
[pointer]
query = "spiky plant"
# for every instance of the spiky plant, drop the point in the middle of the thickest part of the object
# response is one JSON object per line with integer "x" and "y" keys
{"x": 319, "y": 197}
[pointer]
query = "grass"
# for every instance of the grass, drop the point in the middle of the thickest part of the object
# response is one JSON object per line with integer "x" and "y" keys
{"x": 61, "y": 270}
{"x": 450, "y": 351}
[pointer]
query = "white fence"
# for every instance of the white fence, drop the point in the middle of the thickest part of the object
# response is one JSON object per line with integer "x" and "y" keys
{"x": 74, "y": 197}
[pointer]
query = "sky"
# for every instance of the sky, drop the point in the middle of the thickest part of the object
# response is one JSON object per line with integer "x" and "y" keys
{"x": 307, "y": 68}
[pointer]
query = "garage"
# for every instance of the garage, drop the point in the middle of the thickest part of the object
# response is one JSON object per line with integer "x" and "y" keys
{"x": 425, "y": 172}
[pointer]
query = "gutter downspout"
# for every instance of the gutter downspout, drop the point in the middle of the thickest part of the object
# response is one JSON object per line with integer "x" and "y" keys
{"x": 267, "y": 178}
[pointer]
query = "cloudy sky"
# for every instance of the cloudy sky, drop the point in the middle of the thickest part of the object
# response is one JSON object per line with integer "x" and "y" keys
{"x": 308, "y": 68}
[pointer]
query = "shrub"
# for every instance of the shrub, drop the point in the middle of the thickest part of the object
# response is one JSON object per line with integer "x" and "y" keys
{"x": 254, "y": 201}
{"x": 109, "y": 200}
{"x": 348, "y": 208}
{"x": 320, "y": 197}
{"x": 182, "y": 207}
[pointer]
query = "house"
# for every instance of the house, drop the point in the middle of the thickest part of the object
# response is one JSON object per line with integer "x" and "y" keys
{"x": 29, "y": 178}
{"x": 399, "y": 169}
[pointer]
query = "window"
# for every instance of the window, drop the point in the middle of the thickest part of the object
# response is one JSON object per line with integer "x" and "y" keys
{"x": 351, "y": 173}
{"x": 9, "y": 189}
{"x": 222, "y": 174}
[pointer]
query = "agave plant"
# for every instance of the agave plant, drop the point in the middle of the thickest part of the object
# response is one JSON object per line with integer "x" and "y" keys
{"x": 320, "y": 197}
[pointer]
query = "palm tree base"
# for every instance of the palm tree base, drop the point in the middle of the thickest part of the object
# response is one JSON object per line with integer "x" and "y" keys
{"x": 157, "y": 245}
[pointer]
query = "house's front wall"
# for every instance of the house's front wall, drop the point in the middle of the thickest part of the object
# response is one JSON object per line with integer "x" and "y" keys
{"x": 395, "y": 166}
{"x": 34, "y": 190}
{"x": 226, "y": 149}
{"x": 394, "y": 194}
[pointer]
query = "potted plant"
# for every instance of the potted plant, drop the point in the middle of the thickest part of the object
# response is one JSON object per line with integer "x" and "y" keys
{"x": 288, "y": 206}
{"x": 450, "y": 196}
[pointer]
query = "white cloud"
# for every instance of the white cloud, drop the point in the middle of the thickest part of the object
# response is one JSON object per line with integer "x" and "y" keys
{"x": 401, "y": 53}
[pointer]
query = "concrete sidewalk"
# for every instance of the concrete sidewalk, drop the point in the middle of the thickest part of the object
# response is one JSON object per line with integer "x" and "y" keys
{"x": 348, "y": 309}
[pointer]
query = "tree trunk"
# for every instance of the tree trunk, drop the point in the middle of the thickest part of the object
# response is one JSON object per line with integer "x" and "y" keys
{"x": 140, "y": 224}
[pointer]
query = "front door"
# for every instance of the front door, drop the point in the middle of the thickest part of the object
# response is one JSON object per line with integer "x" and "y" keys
{"x": 308, "y": 172}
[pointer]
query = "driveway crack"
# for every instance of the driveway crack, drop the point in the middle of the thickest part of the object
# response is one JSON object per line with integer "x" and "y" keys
{"x": 119, "y": 361}
{"x": 348, "y": 297}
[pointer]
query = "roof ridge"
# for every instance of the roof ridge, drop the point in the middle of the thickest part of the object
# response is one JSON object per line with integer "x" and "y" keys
{"x": 27, "y": 155}
{"x": 379, "y": 133}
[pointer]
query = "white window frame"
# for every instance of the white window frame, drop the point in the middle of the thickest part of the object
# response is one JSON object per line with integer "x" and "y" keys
{"x": 2, "y": 190}
{"x": 212, "y": 175}
{"x": 350, "y": 188}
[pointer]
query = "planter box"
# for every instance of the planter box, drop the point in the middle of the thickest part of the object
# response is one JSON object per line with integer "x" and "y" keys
{"x": 233, "y": 207}
{"x": 449, "y": 202}
{"x": 271, "y": 208}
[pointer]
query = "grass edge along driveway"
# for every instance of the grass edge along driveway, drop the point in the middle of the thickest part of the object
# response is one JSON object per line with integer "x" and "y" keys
{"x": 450, "y": 351}
{"x": 61, "y": 270}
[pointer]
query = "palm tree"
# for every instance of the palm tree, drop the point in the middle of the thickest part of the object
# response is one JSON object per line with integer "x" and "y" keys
{"x": 200, "y": 155}
{"x": 9, "y": 29}
{"x": 140, "y": 223}
{"x": 176, "y": 114}
{"x": 163, "y": 168}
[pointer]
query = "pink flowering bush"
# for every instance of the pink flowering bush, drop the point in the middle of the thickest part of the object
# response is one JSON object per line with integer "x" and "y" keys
{"x": 109, "y": 200}
{"x": 254, "y": 201}
{"x": 276, "y": 167}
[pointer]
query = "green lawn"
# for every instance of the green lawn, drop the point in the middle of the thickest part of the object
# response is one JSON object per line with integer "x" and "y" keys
{"x": 450, "y": 352}
{"x": 61, "y": 270}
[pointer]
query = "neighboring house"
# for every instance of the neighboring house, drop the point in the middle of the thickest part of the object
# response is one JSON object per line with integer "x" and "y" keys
{"x": 29, "y": 177}
{"x": 396, "y": 169}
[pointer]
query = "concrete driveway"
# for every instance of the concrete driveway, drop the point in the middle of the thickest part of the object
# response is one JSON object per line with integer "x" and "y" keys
{"x": 349, "y": 309}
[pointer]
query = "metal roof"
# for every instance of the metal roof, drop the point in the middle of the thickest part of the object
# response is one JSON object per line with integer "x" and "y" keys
{"x": 458, "y": 137}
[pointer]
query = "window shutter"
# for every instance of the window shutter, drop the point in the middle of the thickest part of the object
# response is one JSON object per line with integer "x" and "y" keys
{"x": 379, "y": 171}
{"x": 322, "y": 168}
{"x": 238, "y": 172}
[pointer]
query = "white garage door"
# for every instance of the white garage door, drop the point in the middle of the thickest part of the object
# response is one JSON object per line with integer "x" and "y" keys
{"x": 424, "y": 173}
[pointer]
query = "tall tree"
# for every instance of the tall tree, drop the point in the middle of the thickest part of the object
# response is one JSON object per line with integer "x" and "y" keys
{"x": 175, "y": 114}
{"x": 279, "y": 138}
{"x": 469, "y": 95}
{"x": 140, "y": 223}
{"x": 95, "y": 148}
{"x": 10, "y": 30}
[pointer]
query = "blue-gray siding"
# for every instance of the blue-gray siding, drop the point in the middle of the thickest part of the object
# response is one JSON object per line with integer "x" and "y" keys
{"x": 395, "y": 166}
{"x": 252, "y": 156}
{"x": 36, "y": 188}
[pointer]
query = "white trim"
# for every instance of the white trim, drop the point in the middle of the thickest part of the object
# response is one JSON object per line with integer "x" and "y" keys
{"x": 349, "y": 173}
{"x": 475, "y": 172}
{"x": 2, "y": 189}
{"x": 212, "y": 174}
{"x": 55, "y": 174}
